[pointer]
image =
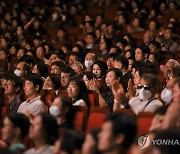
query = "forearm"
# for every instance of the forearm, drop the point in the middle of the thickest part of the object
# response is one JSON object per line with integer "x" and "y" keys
{"x": 102, "y": 102}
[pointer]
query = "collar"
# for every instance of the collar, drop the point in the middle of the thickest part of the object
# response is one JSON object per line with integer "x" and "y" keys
{"x": 29, "y": 102}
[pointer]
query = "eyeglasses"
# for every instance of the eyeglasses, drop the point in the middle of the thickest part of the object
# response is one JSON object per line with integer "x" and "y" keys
{"x": 9, "y": 85}
{"x": 146, "y": 86}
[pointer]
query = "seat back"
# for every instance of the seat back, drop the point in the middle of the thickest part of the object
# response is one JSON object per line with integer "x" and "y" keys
{"x": 80, "y": 118}
{"x": 96, "y": 117}
{"x": 93, "y": 98}
{"x": 144, "y": 120}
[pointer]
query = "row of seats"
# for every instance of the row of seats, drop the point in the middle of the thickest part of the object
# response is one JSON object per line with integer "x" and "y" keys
{"x": 84, "y": 121}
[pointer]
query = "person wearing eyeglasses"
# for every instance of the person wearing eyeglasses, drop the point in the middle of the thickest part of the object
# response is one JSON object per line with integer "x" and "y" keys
{"x": 12, "y": 90}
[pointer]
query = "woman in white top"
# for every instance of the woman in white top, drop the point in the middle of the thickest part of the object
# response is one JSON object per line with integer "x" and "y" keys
{"x": 78, "y": 92}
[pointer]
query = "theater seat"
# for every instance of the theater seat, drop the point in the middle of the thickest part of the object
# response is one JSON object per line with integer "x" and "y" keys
{"x": 93, "y": 98}
{"x": 96, "y": 117}
{"x": 80, "y": 118}
{"x": 144, "y": 120}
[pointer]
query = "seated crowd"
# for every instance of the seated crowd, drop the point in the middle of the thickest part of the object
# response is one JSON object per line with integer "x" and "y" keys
{"x": 61, "y": 60}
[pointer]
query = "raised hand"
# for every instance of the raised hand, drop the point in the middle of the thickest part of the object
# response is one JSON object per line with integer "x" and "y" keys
{"x": 117, "y": 90}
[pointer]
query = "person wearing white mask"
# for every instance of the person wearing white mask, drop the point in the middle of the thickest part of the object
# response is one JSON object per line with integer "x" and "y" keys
{"x": 90, "y": 58}
{"x": 61, "y": 108}
{"x": 166, "y": 94}
{"x": 22, "y": 69}
{"x": 146, "y": 101}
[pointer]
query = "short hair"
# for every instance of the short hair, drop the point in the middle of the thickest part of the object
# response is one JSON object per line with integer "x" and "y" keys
{"x": 169, "y": 28}
{"x": 56, "y": 81}
{"x": 36, "y": 79}
{"x": 58, "y": 64}
{"x": 21, "y": 121}
{"x": 92, "y": 34}
{"x": 60, "y": 54}
{"x": 151, "y": 79}
{"x": 144, "y": 48}
{"x": 78, "y": 64}
{"x": 112, "y": 55}
{"x": 18, "y": 81}
{"x": 50, "y": 126}
{"x": 156, "y": 44}
{"x": 116, "y": 71}
{"x": 175, "y": 62}
{"x": 123, "y": 60}
{"x": 74, "y": 140}
{"x": 28, "y": 59}
{"x": 43, "y": 69}
{"x": 123, "y": 124}
{"x": 68, "y": 70}
{"x": 162, "y": 109}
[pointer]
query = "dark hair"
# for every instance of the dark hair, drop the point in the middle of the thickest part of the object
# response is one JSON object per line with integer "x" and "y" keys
{"x": 170, "y": 135}
{"x": 156, "y": 44}
{"x": 156, "y": 22}
{"x": 123, "y": 61}
{"x": 83, "y": 92}
{"x": 56, "y": 81}
{"x": 118, "y": 49}
{"x": 36, "y": 79}
{"x": 112, "y": 55}
{"x": 90, "y": 75}
{"x": 59, "y": 53}
{"x": 152, "y": 80}
{"x": 92, "y": 34}
{"x": 43, "y": 69}
{"x": 102, "y": 65}
{"x": 145, "y": 49}
{"x": 58, "y": 64}
{"x": 28, "y": 59}
{"x": 21, "y": 121}
{"x": 68, "y": 70}
{"x": 71, "y": 141}
{"x": 108, "y": 43}
{"x": 77, "y": 54}
{"x": 116, "y": 71}
{"x": 162, "y": 109}
{"x": 50, "y": 126}
{"x": 123, "y": 124}
{"x": 18, "y": 82}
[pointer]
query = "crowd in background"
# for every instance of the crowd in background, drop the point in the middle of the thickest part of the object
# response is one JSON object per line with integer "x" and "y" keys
{"x": 56, "y": 54}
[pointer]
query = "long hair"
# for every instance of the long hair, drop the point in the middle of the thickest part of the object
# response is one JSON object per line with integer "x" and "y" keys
{"x": 83, "y": 92}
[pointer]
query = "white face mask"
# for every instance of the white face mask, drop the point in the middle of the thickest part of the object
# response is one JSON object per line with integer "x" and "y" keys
{"x": 54, "y": 110}
{"x": 166, "y": 95}
{"x": 144, "y": 94}
{"x": 88, "y": 63}
{"x": 17, "y": 72}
